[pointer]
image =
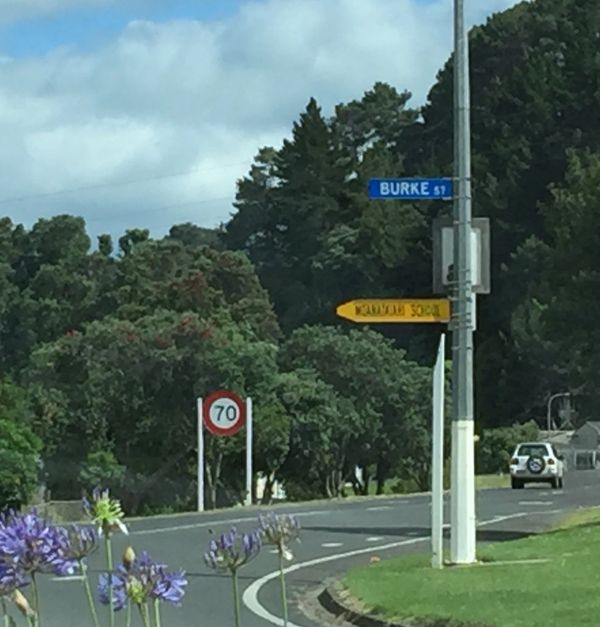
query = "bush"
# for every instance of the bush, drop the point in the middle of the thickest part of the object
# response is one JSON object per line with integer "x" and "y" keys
{"x": 102, "y": 468}
{"x": 497, "y": 446}
{"x": 19, "y": 468}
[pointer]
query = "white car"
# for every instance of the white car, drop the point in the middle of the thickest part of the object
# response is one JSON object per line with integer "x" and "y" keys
{"x": 536, "y": 462}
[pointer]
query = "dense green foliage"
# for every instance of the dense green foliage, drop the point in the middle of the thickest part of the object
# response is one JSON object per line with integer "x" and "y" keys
{"x": 19, "y": 452}
{"x": 110, "y": 347}
{"x": 497, "y": 445}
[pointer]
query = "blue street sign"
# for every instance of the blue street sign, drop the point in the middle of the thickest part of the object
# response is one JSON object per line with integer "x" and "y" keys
{"x": 411, "y": 189}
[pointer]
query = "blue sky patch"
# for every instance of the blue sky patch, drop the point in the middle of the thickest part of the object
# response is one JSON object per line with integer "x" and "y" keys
{"x": 87, "y": 28}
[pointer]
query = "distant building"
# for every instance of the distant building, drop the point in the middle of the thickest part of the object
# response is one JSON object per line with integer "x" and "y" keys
{"x": 561, "y": 440}
{"x": 587, "y": 437}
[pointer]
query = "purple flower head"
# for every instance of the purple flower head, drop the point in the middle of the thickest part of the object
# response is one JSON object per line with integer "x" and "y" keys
{"x": 77, "y": 543}
{"x": 119, "y": 590}
{"x": 10, "y": 581}
{"x": 144, "y": 579}
{"x": 276, "y": 527}
{"x": 29, "y": 544}
{"x": 169, "y": 587}
{"x": 232, "y": 550}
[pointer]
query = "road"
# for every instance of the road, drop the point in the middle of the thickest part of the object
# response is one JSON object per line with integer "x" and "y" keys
{"x": 335, "y": 536}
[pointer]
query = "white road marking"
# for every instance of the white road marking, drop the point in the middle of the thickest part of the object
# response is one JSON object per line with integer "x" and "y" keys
{"x": 250, "y": 596}
{"x": 380, "y": 508}
{"x": 214, "y": 523}
{"x": 68, "y": 578}
{"x": 331, "y": 545}
{"x": 536, "y": 502}
{"x": 374, "y": 539}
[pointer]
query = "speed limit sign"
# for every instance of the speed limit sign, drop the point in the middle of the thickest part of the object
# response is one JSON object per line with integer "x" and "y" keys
{"x": 224, "y": 413}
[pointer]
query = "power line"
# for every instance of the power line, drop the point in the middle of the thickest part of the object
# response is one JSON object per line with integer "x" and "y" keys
{"x": 84, "y": 188}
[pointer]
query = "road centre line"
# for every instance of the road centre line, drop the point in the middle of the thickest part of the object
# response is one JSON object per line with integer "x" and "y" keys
{"x": 250, "y": 596}
{"x": 536, "y": 502}
{"x": 215, "y": 523}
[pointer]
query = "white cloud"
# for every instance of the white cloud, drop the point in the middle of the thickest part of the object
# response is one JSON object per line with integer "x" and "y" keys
{"x": 186, "y": 95}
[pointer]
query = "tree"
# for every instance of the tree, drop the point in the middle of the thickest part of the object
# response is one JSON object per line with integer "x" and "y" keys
{"x": 101, "y": 469}
{"x": 19, "y": 452}
{"x": 323, "y": 423}
{"x": 571, "y": 306}
{"x": 130, "y": 387}
{"x": 532, "y": 70}
{"x": 303, "y": 217}
{"x": 383, "y": 387}
{"x": 271, "y": 440}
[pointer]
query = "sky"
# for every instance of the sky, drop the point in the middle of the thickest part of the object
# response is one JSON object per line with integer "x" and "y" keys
{"x": 145, "y": 113}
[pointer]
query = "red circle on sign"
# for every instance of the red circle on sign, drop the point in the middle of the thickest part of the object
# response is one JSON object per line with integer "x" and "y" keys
{"x": 223, "y": 413}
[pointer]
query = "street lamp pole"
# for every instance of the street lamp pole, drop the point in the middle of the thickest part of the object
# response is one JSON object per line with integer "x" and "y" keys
{"x": 549, "y": 408}
{"x": 462, "y": 545}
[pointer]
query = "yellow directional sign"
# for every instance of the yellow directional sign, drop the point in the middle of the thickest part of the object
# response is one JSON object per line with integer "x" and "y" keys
{"x": 396, "y": 310}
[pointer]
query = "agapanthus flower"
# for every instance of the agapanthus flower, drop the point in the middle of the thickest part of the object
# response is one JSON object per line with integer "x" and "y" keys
{"x": 279, "y": 530}
{"x": 141, "y": 580}
{"x": 119, "y": 591}
{"x": 29, "y": 545}
{"x": 232, "y": 550}
{"x": 77, "y": 543}
{"x": 105, "y": 512}
{"x": 10, "y": 581}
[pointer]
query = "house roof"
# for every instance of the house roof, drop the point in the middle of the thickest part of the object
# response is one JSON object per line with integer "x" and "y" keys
{"x": 557, "y": 437}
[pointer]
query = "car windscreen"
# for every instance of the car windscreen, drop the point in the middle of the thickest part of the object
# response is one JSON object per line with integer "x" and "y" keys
{"x": 527, "y": 450}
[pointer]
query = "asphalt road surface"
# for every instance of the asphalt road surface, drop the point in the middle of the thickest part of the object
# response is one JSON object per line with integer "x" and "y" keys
{"x": 335, "y": 537}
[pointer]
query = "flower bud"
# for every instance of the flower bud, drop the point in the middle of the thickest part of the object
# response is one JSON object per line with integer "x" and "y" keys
{"x": 128, "y": 557}
{"x": 22, "y": 604}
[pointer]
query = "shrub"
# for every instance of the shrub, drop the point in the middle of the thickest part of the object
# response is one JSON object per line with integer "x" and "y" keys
{"x": 20, "y": 454}
{"x": 497, "y": 445}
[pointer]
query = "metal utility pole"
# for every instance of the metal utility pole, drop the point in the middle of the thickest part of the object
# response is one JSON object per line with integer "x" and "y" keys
{"x": 463, "y": 456}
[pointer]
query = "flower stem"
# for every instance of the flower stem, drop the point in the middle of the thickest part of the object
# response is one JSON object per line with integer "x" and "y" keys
{"x": 128, "y": 619}
{"x": 88, "y": 593}
{"x": 283, "y": 590}
{"x": 144, "y": 615}
{"x": 157, "y": 622}
{"x": 109, "y": 565}
{"x": 36, "y": 596}
{"x": 5, "y": 613}
{"x": 236, "y": 598}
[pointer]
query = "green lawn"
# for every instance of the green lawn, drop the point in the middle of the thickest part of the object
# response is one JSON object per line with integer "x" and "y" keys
{"x": 492, "y": 481}
{"x": 407, "y": 486}
{"x": 515, "y": 585}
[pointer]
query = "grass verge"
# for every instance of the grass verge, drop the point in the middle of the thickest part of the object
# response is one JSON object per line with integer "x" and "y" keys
{"x": 549, "y": 579}
{"x": 492, "y": 481}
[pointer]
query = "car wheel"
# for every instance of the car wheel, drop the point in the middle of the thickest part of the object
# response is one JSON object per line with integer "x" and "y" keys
{"x": 561, "y": 482}
{"x": 555, "y": 483}
{"x": 516, "y": 484}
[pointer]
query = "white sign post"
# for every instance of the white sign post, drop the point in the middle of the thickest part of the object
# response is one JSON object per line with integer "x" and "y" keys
{"x": 224, "y": 414}
{"x": 200, "y": 469}
{"x": 437, "y": 460}
{"x": 248, "y": 451}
